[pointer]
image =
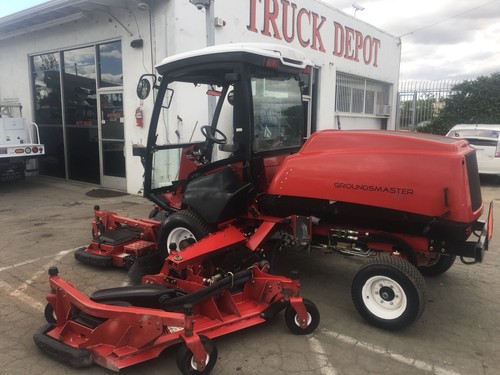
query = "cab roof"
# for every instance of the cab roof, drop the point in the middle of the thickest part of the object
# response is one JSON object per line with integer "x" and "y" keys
{"x": 253, "y": 53}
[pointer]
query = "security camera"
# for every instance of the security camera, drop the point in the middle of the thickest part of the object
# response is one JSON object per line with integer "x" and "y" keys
{"x": 200, "y": 4}
{"x": 358, "y": 7}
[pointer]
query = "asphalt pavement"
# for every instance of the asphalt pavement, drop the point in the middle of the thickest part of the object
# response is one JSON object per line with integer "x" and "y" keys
{"x": 43, "y": 220}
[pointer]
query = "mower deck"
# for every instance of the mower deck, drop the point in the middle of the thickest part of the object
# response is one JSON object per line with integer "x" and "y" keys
{"x": 120, "y": 327}
{"x": 118, "y": 241}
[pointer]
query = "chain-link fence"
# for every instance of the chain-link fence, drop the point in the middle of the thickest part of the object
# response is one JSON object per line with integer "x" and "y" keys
{"x": 419, "y": 102}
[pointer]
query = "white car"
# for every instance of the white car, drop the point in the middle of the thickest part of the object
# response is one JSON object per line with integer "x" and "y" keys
{"x": 485, "y": 139}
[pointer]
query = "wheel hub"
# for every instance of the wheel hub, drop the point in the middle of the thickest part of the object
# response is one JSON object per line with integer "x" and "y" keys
{"x": 384, "y": 297}
{"x": 180, "y": 238}
{"x": 387, "y": 293}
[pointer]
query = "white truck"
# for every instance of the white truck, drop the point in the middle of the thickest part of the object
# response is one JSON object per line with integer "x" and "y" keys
{"x": 19, "y": 142}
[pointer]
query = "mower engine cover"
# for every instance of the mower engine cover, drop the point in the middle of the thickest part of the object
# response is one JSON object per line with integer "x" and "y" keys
{"x": 421, "y": 175}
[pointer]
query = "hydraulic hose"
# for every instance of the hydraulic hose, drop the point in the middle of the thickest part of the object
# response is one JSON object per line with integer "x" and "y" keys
{"x": 177, "y": 303}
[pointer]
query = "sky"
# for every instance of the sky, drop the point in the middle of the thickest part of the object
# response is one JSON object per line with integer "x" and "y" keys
{"x": 441, "y": 39}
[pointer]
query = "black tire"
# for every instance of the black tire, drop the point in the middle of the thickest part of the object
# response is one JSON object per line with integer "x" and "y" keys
{"x": 389, "y": 293}
{"x": 440, "y": 266}
{"x": 49, "y": 313}
{"x": 313, "y": 318}
{"x": 153, "y": 213}
{"x": 185, "y": 361}
{"x": 186, "y": 226}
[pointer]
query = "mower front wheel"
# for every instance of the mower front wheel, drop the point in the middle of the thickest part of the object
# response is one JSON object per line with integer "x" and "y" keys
{"x": 181, "y": 229}
{"x": 389, "y": 293}
{"x": 292, "y": 321}
{"x": 186, "y": 362}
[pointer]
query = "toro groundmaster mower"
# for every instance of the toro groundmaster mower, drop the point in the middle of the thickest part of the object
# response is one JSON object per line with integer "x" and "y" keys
{"x": 411, "y": 202}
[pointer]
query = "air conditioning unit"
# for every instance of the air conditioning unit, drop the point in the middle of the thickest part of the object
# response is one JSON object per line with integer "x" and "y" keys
{"x": 383, "y": 110}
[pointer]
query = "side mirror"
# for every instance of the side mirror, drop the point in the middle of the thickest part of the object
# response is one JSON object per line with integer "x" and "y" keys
{"x": 144, "y": 86}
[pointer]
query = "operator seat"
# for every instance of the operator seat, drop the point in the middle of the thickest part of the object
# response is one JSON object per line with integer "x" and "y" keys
{"x": 217, "y": 196}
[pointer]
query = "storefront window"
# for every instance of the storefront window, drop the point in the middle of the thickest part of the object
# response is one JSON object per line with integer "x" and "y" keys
{"x": 79, "y": 82}
{"x": 47, "y": 89}
{"x": 110, "y": 64}
{"x": 83, "y": 71}
{"x": 45, "y": 70}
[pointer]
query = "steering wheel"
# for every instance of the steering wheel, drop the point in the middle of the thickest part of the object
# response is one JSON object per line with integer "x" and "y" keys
{"x": 209, "y": 133}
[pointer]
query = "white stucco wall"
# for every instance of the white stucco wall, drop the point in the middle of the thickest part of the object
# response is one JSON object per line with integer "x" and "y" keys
{"x": 171, "y": 27}
{"x": 96, "y": 27}
{"x": 322, "y": 32}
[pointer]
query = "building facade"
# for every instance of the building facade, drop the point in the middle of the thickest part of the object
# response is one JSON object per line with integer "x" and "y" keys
{"x": 74, "y": 65}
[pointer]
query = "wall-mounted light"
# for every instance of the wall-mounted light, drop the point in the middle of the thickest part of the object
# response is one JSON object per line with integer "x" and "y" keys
{"x": 142, "y": 5}
{"x": 200, "y": 4}
{"x": 357, "y": 7}
{"x": 137, "y": 43}
{"x": 219, "y": 22}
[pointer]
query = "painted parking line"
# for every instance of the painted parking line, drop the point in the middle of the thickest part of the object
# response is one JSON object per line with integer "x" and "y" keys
{"x": 61, "y": 253}
{"x": 416, "y": 363}
{"x": 325, "y": 367}
{"x": 19, "y": 292}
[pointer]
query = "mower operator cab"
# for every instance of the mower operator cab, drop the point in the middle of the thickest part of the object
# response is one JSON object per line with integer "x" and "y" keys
{"x": 256, "y": 118}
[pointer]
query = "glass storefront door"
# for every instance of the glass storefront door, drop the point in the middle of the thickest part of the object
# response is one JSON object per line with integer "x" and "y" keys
{"x": 83, "y": 139}
{"x": 112, "y": 144}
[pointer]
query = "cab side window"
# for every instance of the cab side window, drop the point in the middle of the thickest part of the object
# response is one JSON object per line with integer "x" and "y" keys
{"x": 278, "y": 116}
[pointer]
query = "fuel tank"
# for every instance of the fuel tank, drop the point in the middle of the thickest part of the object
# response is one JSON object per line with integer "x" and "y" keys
{"x": 425, "y": 175}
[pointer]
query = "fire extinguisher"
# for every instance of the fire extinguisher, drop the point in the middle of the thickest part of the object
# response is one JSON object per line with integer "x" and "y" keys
{"x": 138, "y": 117}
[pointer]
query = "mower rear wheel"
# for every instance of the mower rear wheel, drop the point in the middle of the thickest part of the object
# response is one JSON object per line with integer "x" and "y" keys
{"x": 291, "y": 318}
{"x": 182, "y": 228}
{"x": 186, "y": 362}
{"x": 389, "y": 293}
{"x": 442, "y": 264}
{"x": 50, "y": 314}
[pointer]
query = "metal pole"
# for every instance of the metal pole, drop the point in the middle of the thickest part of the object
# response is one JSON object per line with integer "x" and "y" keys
{"x": 210, "y": 30}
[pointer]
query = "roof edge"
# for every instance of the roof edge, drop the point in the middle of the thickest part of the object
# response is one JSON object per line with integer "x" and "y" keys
{"x": 37, "y": 9}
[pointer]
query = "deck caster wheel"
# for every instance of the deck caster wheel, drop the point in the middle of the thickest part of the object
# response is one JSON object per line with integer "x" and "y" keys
{"x": 50, "y": 314}
{"x": 291, "y": 318}
{"x": 389, "y": 293}
{"x": 186, "y": 362}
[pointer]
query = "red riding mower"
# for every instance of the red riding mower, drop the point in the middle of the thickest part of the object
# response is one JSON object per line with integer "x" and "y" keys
{"x": 410, "y": 202}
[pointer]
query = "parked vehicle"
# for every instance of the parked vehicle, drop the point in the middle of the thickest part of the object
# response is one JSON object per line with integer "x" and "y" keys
{"x": 410, "y": 202}
{"x": 19, "y": 142}
{"x": 485, "y": 139}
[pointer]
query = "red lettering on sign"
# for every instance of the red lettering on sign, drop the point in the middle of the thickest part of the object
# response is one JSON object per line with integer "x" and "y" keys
{"x": 349, "y": 51}
{"x": 308, "y": 29}
{"x": 376, "y": 47}
{"x": 367, "y": 50}
{"x": 286, "y": 23}
{"x": 317, "y": 33}
{"x": 253, "y": 13}
{"x": 359, "y": 45}
{"x": 338, "y": 39}
{"x": 304, "y": 43}
{"x": 270, "y": 18}
{"x": 349, "y": 44}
